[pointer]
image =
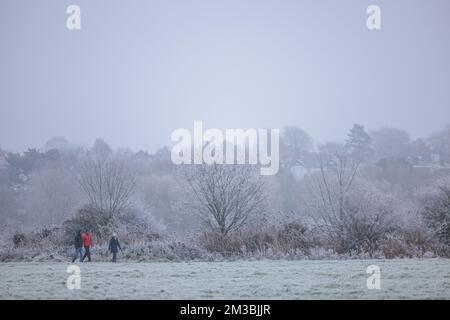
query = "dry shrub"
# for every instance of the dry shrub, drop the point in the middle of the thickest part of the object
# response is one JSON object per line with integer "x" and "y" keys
{"x": 130, "y": 226}
{"x": 294, "y": 236}
{"x": 19, "y": 240}
{"x": 46, "y": 237}
{"x": 408, "y": 243}
{"x": 290, "y": 238}
{"x": 226, "y": 245}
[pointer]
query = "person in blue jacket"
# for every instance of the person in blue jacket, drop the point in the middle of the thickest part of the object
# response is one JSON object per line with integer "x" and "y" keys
{"x": 114, "y": 247}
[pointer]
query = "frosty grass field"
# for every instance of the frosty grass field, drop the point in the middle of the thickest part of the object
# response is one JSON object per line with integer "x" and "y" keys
{"x": 324, "y": 279}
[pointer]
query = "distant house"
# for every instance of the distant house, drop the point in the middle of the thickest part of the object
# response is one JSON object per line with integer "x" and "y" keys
{"x": 299, "y": 171}
{"x": 306, "y": 164}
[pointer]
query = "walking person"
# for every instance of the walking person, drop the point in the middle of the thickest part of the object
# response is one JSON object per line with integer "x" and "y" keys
{"x": 87, "y": 243}
{"x": 114, "y": 246}
{"x": 78, "y": 247}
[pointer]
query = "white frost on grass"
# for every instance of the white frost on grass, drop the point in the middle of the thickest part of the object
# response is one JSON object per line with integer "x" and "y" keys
{"x": 303, "y": 279}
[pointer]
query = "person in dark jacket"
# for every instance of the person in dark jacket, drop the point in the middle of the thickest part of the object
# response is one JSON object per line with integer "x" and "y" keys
{"x": 87, "y": 243}
{"x": 78, "y": 247}
{"x": 114, "y": 246}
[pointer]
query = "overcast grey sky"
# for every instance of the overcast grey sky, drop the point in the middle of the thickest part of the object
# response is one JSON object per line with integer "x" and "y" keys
{"x": 137, "y": 70}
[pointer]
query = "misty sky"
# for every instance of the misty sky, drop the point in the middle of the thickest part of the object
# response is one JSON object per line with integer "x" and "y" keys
{"x": 140, "y": 69}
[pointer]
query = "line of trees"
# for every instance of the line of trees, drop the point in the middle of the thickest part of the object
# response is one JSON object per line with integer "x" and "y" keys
{"x": 362, "y": 195}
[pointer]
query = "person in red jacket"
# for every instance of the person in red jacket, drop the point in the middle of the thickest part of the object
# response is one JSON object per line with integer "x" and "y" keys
{"x": 87, "y": 243}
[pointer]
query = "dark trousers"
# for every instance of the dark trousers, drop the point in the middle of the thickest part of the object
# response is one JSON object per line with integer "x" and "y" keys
{"x": 114, "y": 256}
{"x": 78, "y": 253}
{"x": 87, "y": 253}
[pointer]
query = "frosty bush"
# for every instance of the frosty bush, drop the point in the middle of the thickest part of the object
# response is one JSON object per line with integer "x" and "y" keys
{"x": 357, "y": 222}
{"x": 268, "y": 241}
{"x": 47, "y": 237}
{"x": 164, "y": 250}
{"x": 130, "y": 225}
{"x": 19, "y": 240}
{"x": 226, "y": 245}
{"x": 436, "y": 209}
{"x": 294, "y": 236}
{"x": 408, "y": 244}
{"x": 89, "y": 219}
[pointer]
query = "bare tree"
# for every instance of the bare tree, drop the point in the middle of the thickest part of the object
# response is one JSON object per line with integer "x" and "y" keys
{"x": 334, "y": 180}
{"x": 436, "y": 208}
{"x": 352, "y": 213}
{"x": 227, "y": 194}
{"x": 108, "y": 184}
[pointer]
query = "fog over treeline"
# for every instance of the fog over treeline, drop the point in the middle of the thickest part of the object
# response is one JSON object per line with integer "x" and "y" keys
{"x": 352, "y": 196}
